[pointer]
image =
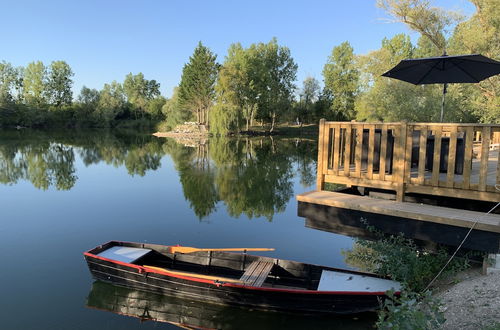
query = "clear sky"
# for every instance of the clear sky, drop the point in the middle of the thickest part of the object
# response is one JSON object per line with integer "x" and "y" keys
{"x": 104, "y": 40}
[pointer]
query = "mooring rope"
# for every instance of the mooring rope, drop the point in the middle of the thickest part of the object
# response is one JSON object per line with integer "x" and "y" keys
{"x": 497, "y": 187}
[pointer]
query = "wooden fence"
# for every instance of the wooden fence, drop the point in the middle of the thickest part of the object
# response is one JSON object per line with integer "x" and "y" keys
{"x": 426, "y": 158}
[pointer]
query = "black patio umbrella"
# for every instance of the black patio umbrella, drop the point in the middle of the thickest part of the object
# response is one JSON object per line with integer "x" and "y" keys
{"x": 444, "y": 70}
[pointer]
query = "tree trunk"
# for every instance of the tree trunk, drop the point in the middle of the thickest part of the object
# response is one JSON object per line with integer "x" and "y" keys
{"x": 273, "y": 118}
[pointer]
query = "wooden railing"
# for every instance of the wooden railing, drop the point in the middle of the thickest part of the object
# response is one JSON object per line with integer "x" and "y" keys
{"x": 426, "y": 158}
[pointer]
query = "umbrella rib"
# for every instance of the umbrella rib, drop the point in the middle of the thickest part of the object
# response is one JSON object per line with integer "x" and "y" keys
{"x": 467, "y": 73}
{"x": 427, "y": 73}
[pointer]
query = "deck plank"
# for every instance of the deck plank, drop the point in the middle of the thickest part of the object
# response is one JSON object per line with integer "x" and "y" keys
{"x": 437, "y": 214}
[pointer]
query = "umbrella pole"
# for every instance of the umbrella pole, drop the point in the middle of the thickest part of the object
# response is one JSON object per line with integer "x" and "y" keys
{"x": 442, "y": 102}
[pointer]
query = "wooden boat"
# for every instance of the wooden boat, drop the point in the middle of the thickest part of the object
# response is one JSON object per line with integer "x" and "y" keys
{"x": 237, "y": 279}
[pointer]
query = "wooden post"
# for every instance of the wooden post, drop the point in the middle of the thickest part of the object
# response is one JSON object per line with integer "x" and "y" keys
{"x": 383, "y": 153}
{"x": 321, "y": 141}
{"x": 452, "y": 151}
{"x": 469, "y": 140}
{"x": 421, "y": 155}
{"x": 485, "y": 148}
{"x": 347, "y": 148}
{"x": 359, "y": 150}
{"x": 436, "y": 162}
{"x": 400, "y": 162}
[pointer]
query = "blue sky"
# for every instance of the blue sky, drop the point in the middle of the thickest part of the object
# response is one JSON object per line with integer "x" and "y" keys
{"x": 104, "y": 40}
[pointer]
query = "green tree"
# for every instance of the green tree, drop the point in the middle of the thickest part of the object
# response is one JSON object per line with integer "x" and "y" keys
{"x": 277, "y": 72}
{"x": 308, "y": 96}
{"x": 34, "y": 84}
{"x": 89, "y": 97}
{"x": 196, "y": 89}
{"x": 173, "y": 113}
{"x": 7, "y": 83}
{"x": 481, "y": 34}
{"x": 59, "y": 82}
{"x": 341, "y": 77}
{"x": 111, "y": 101}
{"x": 140, "y": 92}
{"x": 236, "y": 91}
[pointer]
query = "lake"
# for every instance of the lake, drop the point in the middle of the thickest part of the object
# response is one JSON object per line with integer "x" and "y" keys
{"x": 64, "y": 192}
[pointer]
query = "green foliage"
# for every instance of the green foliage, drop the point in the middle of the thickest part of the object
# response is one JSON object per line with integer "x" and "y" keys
{"x": 224, "y": 119}
{"x": 341, "y": 77}
{"x": 431, "y": 22}
{"x": 173, "y": 113}
{"x": 140, "y": 93}
{"x": 34, "y": 82}
{"x": 258, "y": 82}
{"x": 58, "y": 87}
{"x": 111, "y": 101}
{"x": 196, "y": 89}
{"x": 410, "y": 311}
{"x": 308, "y": 97}
{"x": 399, "y": 258}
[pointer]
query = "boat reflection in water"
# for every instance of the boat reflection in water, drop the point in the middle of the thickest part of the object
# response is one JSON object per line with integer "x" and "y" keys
{"x": 197, "y": 315}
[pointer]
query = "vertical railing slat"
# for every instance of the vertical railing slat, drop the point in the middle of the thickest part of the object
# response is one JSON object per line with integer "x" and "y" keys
{"x": 371, "y": 150}
{"x": 422, "y": 152}
{"x": 498, "y": 169}
{"x": 383, "y": 153}
{"x": 347, "y": 148}
{"x": 336, "y": 149}
{"x": 436, "y": 156}
{"x": 359, "y": 151}
{"x": 407, "y": 154}
{"x": 452, "y": 152}
{"x": 485, "y": 148}
{"x": 469, "y": 141}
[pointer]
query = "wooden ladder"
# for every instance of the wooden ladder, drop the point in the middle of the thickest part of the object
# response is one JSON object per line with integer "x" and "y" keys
{"x": 256, "y": 273}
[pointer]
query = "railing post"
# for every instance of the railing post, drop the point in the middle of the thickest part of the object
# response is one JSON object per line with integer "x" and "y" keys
{"x": 320, "y": 181}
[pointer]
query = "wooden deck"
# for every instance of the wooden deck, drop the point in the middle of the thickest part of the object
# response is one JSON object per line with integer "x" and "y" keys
{"x": 436, "y": 214}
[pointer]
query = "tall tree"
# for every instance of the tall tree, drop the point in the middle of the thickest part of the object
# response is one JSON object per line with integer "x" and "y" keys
{"x": 7, "y": 83}
{"x": 278, "y": 72}
{"x": 111, "y": 101}
{"x": 59, "y": 82}
{"x": 140, "y": 91}
{"x": 196, "y": 89}
{"x": 34, "y": 84}
{"x": 309, "y": 95}
{"x": 341, "y": 77}
{"x": 89, "y": 97}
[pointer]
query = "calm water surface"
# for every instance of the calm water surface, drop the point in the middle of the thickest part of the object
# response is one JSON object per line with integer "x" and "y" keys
{"x": 62, "y": 193}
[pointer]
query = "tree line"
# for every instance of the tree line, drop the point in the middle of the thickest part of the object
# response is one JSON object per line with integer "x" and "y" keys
{"x": 255, "y": 85}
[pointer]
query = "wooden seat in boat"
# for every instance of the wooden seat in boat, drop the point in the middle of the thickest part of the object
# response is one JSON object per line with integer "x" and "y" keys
{"x": 256, "y": 273}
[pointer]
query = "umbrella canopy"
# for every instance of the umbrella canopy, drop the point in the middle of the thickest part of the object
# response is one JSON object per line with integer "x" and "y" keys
{"x": 444, "y": 70}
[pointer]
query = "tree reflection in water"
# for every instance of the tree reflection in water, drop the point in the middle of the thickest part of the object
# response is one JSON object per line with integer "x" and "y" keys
{"x": 250, "y": 176}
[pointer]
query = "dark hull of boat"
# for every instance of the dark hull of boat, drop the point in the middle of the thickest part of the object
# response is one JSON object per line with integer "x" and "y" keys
{"x": 262, "y": 298}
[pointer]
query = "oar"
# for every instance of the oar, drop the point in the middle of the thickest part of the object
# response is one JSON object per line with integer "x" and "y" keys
{"x": 188, "y": 249}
